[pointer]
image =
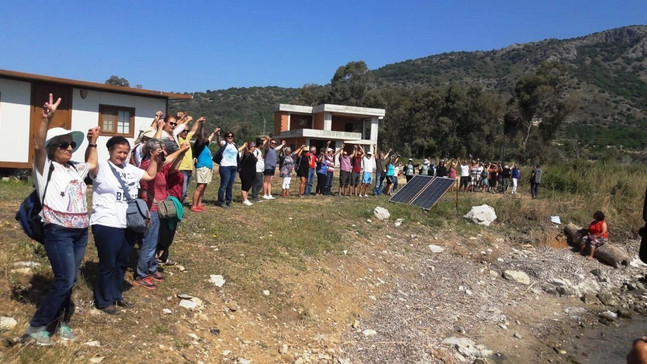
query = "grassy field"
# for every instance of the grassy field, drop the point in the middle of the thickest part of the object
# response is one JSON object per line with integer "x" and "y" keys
{"x": 295, "y": 249}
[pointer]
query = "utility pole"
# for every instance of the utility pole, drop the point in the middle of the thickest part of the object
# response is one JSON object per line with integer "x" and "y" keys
{"x": 264, "y": 125}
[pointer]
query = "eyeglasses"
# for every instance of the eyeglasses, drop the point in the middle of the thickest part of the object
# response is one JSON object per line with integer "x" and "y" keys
{"x": 273, "y": 143}
{"x": 173, "y": 124}
{"x": 229, "y": 136}
{"x": 65, "y": 145}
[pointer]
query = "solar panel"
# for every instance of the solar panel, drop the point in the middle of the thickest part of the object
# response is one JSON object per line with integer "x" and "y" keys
{"x": 423, "y": 191}
{"x": 409, "y": 191}
{"x": 428, "y": 198}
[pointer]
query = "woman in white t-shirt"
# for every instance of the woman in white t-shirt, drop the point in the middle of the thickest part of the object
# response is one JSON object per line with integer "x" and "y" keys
{"x": 114, "y": 241}
{"x": 60, "y": 185}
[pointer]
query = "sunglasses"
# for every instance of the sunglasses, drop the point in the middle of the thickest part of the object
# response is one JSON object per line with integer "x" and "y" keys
{"x": 173, "y": 124}
{"x": 65, "y": 145}
{"x": 229, "y": 136}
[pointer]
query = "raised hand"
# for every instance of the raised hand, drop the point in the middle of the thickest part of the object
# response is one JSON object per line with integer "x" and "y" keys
{"x": 49, "y": 108}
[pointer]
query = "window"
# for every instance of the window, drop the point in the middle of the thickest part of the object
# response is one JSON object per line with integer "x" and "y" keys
{"x": 116, "y": 120}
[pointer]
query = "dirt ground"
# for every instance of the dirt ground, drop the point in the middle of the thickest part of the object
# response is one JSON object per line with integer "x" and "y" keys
{"x": 387, "y": 298}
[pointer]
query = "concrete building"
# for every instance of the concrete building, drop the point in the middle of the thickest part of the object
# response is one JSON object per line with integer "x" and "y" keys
{"x": 316, "y": 125}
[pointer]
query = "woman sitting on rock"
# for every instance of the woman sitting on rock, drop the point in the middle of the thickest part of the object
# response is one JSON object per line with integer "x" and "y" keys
{"x": 597, "y": 234}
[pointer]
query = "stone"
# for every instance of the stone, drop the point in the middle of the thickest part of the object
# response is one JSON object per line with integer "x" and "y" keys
{"x": 607, "y": 299}
{"x": 624, "y": 313}
{"x": 97, "y": 359}
{"x": 94, "y": 343}
{"x": 481, "y": 215}
{"x": 284, "y": 349}
{"x": 266, "y": 292}
{"x": 517, "y": 336}
{"x": 7, "y": 323}
{"x": 381, "y": 213}
{"x": 612, "y": 316}
{"x": 590, "y": 299}
{"x": 399, "y": 222}
{"x": 355, "y": 324}
{"x": 188, "y": 304}
{"x": 217, "y": 279}
{"x": 517, "y": 276}
{"x": 184, "y": 296}
{"x": 369, "y": 332}
{"x": 436, "y": 248}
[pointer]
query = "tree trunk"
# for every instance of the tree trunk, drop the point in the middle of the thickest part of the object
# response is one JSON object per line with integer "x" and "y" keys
{"x": 607, "y": 253}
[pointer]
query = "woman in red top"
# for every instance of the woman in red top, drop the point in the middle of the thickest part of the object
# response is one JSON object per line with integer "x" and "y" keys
{"x": 597, "y": 236}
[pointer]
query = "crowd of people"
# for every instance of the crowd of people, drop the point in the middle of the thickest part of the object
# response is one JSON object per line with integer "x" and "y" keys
{"x": 159, "y": 168}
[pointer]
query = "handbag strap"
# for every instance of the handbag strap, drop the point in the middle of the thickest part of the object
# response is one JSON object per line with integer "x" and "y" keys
{"x": 121, "y": 181}
{"x": 49, "y": 176}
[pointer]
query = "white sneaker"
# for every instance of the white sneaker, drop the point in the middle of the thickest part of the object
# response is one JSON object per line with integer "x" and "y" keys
{"x": 270, "y": 197}
{"x": 266, "y": 197}
{"x": 247, "y": 203}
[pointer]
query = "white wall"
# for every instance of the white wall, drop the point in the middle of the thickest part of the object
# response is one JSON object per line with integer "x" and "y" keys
{"x": 14, "y": 120}
{"x": 85, "y": 115}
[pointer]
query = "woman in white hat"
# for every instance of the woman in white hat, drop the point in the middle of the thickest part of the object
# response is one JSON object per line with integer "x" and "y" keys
{"x": 60, "y": 185}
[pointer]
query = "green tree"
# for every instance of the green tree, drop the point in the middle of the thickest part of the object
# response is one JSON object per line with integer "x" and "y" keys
{"x": 349, "y": 85}
{"x": 115, "y": 80}
{"x": 538, "y": 108}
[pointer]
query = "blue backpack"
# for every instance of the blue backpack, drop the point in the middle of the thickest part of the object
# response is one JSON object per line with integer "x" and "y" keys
{"x": 28, "y": 213}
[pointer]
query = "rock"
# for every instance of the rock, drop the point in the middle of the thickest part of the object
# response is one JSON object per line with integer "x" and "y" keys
{"x": 613, "y": 255}
{"x": 284, "y": 349}
{"x": 7, "y": 323}
{"x": 624, "y": 313}
{"x": 266, "y": 292}
{"x": 188, "y": 304}
{"x": 590, "y": 299}
{"x": 167, "y": 311}
{"x": 399, "y": 222}
{"x": 481, "y": 215}
{"x": 184, "y": 296}
{"x": 240, "y": 360}
{"x": 355, "y": 324}
{"x": 588, "y": 286}
{"x": 232, "y": 306}
{"x": 517, "y": 336}
{"x": 517, "y": 276}
{"x": 369, "y": 332}
{"x": 575, "y": 312}
{"x": 549, "y": 288}
{"x": 436, "y": 248}
{"x": 217, "y": 279}
{"x": 607, "y": 299}
{"x": 94, "y": 343}
{"x": 612, "y": 316}
{"x": 96, "y": 359}
{"x": 381, "y": 213}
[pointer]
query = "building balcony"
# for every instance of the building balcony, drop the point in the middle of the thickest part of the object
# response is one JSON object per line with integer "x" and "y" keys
{"x": 320, "y": 134}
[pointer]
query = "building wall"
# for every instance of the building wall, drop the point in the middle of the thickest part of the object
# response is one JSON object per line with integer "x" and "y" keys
{"x": 15, "y": 114}
{"x": 319, "y": 121}
{"x": 85, "y": 114}
{"x": 15, "y": 99}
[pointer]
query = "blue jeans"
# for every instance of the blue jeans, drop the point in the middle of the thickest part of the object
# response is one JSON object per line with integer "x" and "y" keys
{"x": 147, "y": 264}
{"x": 227, "y": 179}
{"x": 310, "y": 182}
{"x": 379, "y": 183}
{"x": 65, "y": 249}
{"x": 534, "y": 189}
{"x": 328, "y": 188}
{"x": 187, "y": 181}
{"x": 114, "y": 246}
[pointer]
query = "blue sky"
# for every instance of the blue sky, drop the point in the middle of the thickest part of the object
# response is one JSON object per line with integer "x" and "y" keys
{"x": 187, "y": 46}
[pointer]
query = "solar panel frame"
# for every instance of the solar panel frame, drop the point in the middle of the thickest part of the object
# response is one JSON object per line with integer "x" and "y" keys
{"x": 423, "y": 191}
{"x": 411, "y": 189}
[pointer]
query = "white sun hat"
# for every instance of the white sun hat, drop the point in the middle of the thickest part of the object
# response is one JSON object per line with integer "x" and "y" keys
{"x": 52, "y": 133}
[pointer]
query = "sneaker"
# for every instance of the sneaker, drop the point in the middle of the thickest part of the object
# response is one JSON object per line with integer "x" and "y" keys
{"x": 157, "y": 277}
{"x": 66, "y": 333}
{"x": 169, "y": 262}
{"x": 196, "y": 209}
{"x": 270, "y": 197}
{"x": 266, "y": 197}
{"x": 247, "y": 203}
{"x": 146, "y": 282}
{"x": 39, "y": 336}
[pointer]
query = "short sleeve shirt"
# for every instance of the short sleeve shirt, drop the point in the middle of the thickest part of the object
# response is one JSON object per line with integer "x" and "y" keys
{"x": 109, "y": 202}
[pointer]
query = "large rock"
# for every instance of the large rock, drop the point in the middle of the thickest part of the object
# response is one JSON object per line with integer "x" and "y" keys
{"x": 482, "y": 215}
{"x": 610, "y": 254}
{"x": 381, "y": 213}
{"x": 517, "y": 276}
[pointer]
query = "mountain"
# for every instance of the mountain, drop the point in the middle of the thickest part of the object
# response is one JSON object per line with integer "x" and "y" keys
{"x": 606, "y": 73}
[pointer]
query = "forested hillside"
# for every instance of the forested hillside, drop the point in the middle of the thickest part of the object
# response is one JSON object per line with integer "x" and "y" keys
{"x": 547, "y": 99}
